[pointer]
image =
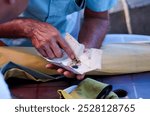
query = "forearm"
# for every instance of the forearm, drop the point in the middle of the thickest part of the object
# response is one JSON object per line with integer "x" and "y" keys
{"x": 93, "y": 31}
{"x": 16, "y": 28}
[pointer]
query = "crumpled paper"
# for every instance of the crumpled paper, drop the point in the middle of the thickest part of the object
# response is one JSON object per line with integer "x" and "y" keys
{"x": 86, "y": 59}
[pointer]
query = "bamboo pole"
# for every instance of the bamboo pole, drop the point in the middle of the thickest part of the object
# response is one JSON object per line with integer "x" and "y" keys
{"x": 127, "y": 16}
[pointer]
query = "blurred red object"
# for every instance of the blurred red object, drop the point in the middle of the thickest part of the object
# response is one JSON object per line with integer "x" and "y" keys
{"x": 2, "y": 44}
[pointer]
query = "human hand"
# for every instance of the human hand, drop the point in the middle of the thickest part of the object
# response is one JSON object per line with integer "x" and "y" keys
{"x": 66, "y": 73}
{"x": 48, "y": 41}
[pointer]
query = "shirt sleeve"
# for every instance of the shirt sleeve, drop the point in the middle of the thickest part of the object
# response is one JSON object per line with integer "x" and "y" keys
{"x": 100, "y": 5}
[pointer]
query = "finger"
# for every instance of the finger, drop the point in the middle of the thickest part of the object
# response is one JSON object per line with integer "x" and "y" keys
{"x": 41, "y": 51}
{"x": 55, "y": 48}
{"x": 60, "y": 71}
{"x": 51, "y": 66}
{"x": 48, "y": 51}
{"x": 40, "y": 47}
{"x": 69, "y": 74}
{"x": 36, "y": 43}
{"x": 80, "y": 77}
{"x": 66, "y": 48}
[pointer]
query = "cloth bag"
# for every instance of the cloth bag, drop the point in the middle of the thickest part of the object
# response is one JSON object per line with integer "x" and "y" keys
{"x": 89, "y": 89}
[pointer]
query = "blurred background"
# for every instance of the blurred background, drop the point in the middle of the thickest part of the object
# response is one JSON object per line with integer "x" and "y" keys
{"x": 130, "y": 17}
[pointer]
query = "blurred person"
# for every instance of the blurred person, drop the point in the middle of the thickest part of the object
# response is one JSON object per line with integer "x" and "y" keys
{"x": 9, "y": 9}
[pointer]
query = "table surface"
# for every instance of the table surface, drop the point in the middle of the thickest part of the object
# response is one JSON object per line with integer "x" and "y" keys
{"x": 137, "y": 86}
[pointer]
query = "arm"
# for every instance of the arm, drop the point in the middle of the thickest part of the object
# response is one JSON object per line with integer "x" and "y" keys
{"x": 94, "y": 28}
{"x": 92, "y": 33}
{"x": 14, "y": 29}
{"x": 46, "y": 38}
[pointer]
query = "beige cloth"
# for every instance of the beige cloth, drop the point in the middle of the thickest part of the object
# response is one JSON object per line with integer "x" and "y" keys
{"x": 126, "y": 58}
{"x": 116, "y": 58}
{"x": 25, "y": 56}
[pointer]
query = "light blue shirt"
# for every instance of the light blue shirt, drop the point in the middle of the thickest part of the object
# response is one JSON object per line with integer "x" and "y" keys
{"x": 65, "y": 15}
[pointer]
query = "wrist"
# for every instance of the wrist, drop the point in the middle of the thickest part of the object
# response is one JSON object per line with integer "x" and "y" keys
{"x": 27, "y": 26}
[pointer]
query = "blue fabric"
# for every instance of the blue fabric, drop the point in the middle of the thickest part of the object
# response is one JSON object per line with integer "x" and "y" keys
{"x": 17, "y": 42}
{"x": 64, "y": 14}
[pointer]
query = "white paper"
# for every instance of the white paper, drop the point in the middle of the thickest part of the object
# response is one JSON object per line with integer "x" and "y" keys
{"x": 89, "y": 59}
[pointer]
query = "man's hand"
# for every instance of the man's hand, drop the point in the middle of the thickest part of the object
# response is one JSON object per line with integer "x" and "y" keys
{"x": 64, "y": 72}
{"x": 48, "y": 41}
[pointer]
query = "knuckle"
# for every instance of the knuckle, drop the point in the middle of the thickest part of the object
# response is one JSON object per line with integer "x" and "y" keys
{"x": 39, "y": 46}
{"x": 54, "y": 34}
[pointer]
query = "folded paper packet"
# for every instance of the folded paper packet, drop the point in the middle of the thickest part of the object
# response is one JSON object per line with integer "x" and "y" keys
{"x": 86, "y": 59}
{"x": 88, "y": 89}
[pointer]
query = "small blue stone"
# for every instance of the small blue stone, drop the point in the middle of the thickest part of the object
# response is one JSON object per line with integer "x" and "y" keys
{"x": 75, "y": 66}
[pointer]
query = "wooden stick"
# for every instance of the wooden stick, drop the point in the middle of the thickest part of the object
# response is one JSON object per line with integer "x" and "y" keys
{"x": 127, "y": 16}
